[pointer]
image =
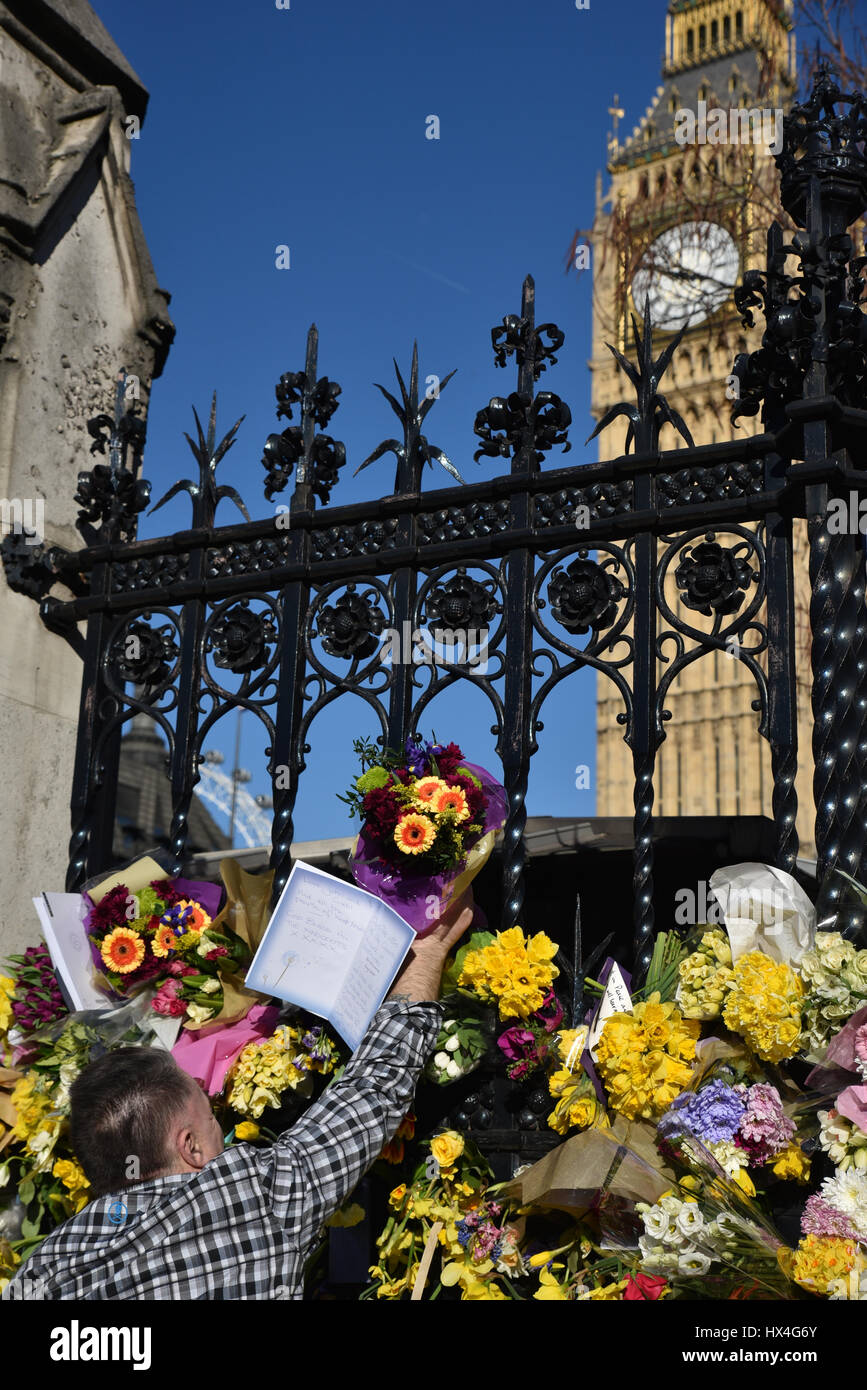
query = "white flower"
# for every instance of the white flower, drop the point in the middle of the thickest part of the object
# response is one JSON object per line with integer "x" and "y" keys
{"x": 671, "y": 1204}
{"x": 442, "y": 1060}
{"x": 454, "y": 1069}
{"x": 41, "y": 1145}
{"x": 210, "y": 986}
{"x": 846, "y": 1191}
{"x": 198, "y": 1013}
{"x": 4, "y": 1173}
{"x": 690, "y": 1218}
{"x": 453, "y": 1044}
{"x": 451, "y": 1025}
{"x": 657, "y": 1223}
{"x": 693, "y": 1262}
{"x": 655, "y": 1259}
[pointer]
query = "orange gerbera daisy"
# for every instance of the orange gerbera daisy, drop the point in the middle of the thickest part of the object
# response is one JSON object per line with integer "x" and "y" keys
{"x": 164, "y": 942}
{"x": 123, "y": 950}
{"x": 414, "y": 834}
{"x": 426, "y": 789}
{"x": 194, "y": 917}
{"x": 452, "y": 799}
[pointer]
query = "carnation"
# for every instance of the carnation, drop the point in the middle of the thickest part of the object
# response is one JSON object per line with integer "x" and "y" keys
{"x": 764, "y": 1130}
{"x": 820, "y": 1218}
{"x": 848, "y": 1193}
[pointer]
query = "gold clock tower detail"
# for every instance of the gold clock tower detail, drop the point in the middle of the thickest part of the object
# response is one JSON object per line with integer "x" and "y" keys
{"x": 692, "y": 193}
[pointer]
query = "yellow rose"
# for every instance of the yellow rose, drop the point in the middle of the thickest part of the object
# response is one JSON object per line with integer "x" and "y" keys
{"x": 447, "y": 1148}
{"x": 247, "y": 1130}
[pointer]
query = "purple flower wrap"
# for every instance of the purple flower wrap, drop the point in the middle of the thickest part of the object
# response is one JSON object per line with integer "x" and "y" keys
{"x": 421, "y": 899}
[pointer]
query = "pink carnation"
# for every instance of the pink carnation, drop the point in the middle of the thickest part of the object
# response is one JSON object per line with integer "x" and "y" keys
{"x": 861, "y": 1051}
{"x": 764, "y": 1130}
{"x": 819, "y": 1218}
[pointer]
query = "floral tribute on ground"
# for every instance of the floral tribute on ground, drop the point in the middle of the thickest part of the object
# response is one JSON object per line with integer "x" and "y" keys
{"x": 709, "y": 1126}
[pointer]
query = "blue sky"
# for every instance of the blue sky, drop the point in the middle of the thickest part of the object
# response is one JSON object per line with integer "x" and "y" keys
{"x": 306, "y": 127}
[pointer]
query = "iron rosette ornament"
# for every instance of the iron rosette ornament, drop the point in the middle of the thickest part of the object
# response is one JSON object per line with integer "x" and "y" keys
{"x": 145, "y": 656}
{"x": 712, "y": 578}
{"x": 584, "y": 596}
{"x": 239, "y": 639}
{"x": 462, "y": 604}
{"x": 726, "y": 583}
{"x": 350, "y": 627}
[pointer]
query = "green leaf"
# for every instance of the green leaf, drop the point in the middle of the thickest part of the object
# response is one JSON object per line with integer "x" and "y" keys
{"x": 27, "y": 1191}
{"x": 29, "y": 1229}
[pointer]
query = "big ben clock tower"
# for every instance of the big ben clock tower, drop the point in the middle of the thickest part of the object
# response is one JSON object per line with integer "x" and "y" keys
{"x": 692, "y": 193}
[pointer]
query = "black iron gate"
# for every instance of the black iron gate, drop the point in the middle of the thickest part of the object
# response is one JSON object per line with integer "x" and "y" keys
{"x": 166, "y": 617}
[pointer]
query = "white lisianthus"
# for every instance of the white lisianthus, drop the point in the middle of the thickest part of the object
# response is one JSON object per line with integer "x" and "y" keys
{"x": 657, "y": 1223}
{"x": 210, "y": 986}
{"x": 453, "y": 1069}
{"x": 442, "y": 1060}
{"x": 693, "y": 1262}
{"x": 453, "y": 1044}
{"x": 690, "y": 1218}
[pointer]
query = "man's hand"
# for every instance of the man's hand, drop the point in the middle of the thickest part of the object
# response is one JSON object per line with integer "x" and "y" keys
{"x": 420, "y": 977}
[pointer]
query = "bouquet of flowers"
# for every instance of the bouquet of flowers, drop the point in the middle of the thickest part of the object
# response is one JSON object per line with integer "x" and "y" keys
{"x": 430, "y": 818}
{"x": 161, "y": 932}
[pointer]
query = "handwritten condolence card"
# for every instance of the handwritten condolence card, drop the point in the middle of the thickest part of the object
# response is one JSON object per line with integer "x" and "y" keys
{"x": 331, "y": 948}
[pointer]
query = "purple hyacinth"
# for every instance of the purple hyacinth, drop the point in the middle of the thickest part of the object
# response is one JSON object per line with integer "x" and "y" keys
{"x": 712, "y": 1114}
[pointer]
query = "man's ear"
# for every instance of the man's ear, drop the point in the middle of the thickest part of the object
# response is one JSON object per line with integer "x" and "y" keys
{"x": 188, "y": 1146}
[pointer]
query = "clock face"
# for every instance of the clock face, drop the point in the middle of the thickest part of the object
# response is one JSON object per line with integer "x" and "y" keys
{"x": 688, "y": 272}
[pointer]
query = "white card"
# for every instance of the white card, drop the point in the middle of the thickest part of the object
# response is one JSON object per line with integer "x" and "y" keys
{"x": 615, "y": 1000}
{"x": 332, "y": 948}
{"x": 60, "y": 915}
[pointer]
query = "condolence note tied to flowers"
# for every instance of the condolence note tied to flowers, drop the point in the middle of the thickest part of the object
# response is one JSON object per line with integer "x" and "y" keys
{"x": 331, "y": 948}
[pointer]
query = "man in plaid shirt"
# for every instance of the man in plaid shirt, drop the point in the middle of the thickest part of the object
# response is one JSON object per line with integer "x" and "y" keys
{"x": 239, "y": 1223}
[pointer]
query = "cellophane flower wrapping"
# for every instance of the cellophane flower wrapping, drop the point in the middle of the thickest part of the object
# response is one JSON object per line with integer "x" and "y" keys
{"x": 421, "y": 899}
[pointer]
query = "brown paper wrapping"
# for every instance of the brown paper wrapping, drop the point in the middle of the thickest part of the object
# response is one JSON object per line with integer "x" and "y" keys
{"x": 622, "y": 1160}
{"x": 246, "y": 912}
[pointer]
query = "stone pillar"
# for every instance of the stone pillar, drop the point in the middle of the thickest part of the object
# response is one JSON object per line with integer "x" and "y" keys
{"x": 78, "y": 301}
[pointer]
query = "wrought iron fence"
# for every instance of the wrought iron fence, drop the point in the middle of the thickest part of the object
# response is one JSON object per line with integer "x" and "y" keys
{"x": 291, "y": 608}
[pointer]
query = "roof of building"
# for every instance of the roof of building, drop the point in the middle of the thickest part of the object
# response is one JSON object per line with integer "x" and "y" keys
{"x": 75, "y": 33}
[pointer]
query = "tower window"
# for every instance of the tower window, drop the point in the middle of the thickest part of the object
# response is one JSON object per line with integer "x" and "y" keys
{"x": 661, "y": 182}
{"x": 727, "y": 29}
{"x": 643, "y": 189}
{"x": 702, "y": 38}
{"x": 690, "y": 43}
{"x": 714, "y": 33}
{"x": 739, "y": 24}
{"x": 673, "y": 104}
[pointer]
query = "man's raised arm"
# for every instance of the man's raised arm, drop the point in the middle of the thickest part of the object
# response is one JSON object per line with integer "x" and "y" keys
{"x": 312, "y": 1168}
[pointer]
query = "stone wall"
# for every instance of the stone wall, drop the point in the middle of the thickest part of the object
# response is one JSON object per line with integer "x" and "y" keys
{"x": 78, "y": 301}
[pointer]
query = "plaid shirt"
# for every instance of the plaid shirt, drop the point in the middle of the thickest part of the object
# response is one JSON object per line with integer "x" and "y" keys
{"x": 243, "y": 1226}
